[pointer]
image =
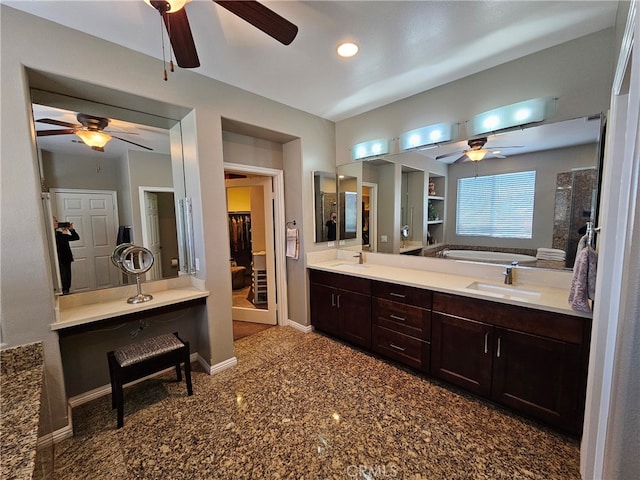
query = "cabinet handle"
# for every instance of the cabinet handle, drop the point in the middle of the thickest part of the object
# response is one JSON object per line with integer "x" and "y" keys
{"x": 395, "y": 317}
{"x": 392, "y": 345}
{"x": 399, "y": 295}
{"x": 333, "y": 299}
{"x": 486, "y": 342}
{"x": 338, "y": 300}
{"x": 498, "y": 352}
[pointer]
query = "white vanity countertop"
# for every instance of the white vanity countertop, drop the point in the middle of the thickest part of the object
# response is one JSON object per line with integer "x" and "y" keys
{"x": 538, "y": 296}
{"x": 83, "y": 308}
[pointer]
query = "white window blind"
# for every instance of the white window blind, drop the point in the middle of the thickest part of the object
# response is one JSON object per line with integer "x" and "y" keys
{"x": 498, "y": 206}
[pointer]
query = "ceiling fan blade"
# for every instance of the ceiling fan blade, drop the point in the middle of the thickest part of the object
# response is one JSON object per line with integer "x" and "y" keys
{"x": 179, "y": 31}
{"x": 60, "y": 123}
{"x": 462, "y": 158}
{"x": 262, "y": 18}
{"x": 447, "y": 155}
{"x": 48, "y": 133}
{"x": 132, "y": 143}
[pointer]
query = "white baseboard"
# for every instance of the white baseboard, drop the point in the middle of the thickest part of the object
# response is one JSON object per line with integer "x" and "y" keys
{"x": 219, "y": 367}
{"x": 297, "y": 326}
{"x": 57, "y": 436}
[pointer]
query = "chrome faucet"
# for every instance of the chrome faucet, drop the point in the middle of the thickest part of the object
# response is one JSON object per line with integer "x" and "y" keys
{"x": 508, "y": 273}
{"x": 360, "y": 258}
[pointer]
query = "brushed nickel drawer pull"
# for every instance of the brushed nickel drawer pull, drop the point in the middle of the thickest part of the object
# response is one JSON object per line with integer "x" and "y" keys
{"x": 338, "y": 302}
{"x": 399, "y": 295}
{"x": 397, "y": 347}
{"x": 333, "y": 299}
{"x": 486, "y": 342}
{"x": 498, "y": 352}
{"x": 395, "y": 317}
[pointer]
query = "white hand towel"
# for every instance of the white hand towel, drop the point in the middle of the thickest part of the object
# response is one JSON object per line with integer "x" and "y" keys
{"x": 293, "y": 243}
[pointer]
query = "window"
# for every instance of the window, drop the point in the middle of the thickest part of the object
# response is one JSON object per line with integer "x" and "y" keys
{"x": 499, "y": 206}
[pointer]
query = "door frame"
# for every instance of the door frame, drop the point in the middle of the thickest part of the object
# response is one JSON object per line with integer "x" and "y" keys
{"x": 373, "y": 214}
{"x": 142, "y": 200}
{"x": 279, "y": 226}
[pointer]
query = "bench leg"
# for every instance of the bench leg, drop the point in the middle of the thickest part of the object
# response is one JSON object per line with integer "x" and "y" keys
{"x": 119, "y": 394}
{"x": 178, "y": 372}
{"x": 187, "y": 373}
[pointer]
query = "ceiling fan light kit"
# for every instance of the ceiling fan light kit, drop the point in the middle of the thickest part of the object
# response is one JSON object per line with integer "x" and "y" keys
{"x": 168, "y": 6}
{"x": 94, "y": 138}
{"x": 477, "y": 155}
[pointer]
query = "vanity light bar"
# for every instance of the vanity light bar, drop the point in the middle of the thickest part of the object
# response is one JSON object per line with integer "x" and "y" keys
{"x": 372, "y": 148}
{"x": 516, "y": 114}
{"x": 430, "y": 135}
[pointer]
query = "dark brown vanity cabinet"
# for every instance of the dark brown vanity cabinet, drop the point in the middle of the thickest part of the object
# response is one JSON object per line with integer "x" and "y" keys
{"x": 402, "y": 323}
{"x": 341, "y": 306}
{"x": 530, "y": 360}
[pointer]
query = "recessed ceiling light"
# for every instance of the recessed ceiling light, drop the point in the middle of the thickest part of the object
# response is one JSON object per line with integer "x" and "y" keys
{"x": 347, "y": 49}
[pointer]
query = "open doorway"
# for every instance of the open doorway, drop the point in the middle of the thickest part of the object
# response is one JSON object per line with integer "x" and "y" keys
{"x": 252, "y": 249}
{"x": 159, "y": 231}
{"x": 369, "y": 216}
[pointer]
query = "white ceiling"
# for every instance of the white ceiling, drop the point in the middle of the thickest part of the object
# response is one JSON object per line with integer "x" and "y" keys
{"x": 405, "y": 47}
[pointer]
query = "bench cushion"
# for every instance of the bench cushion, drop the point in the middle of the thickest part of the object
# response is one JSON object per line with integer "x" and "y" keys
{"x": 151, "y": 347}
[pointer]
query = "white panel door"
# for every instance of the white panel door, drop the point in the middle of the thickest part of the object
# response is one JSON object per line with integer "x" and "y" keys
{"x": 152, "y": 234}
{"x": 94, "y": 216}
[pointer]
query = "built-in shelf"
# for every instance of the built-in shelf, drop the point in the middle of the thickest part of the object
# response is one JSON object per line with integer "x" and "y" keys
{"x": 434, "y": 222}
{"x": 437, "y": 197}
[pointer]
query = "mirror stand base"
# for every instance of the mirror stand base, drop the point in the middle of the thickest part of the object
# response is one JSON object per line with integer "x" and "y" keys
{"x": 140, "y": 298}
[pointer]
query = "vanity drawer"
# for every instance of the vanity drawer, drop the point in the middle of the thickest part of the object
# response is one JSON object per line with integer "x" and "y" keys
{"x": 337, "y": 280}
{"x": 418, "y": 297}
{"x": 405, "y": 349}
{"x": 402, "y": 318}
{"x": 557, "y": 326}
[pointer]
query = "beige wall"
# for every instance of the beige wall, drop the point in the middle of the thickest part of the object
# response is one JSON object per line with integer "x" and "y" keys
{"x": 579, "y": 73}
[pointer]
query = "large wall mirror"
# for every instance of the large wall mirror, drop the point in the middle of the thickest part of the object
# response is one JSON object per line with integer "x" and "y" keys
{"x": 126, "y": 191}
{"x": 325, "y": 198}
{"x": 432, "y": 197}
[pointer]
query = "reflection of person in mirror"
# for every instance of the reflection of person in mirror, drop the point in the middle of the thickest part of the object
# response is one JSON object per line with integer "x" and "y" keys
{"x": 331, "y": 227}
{"x": 65, "y": 233}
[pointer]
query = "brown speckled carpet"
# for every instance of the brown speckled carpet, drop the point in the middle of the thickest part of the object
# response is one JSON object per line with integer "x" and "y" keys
{"x": 303, "y": 406}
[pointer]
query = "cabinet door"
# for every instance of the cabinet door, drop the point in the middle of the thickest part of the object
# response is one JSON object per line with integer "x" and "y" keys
{"x": 324, "y": 311}
{"x": 355, "y": 317}
{"x": 539, "y": 377}
{"x": 461, "y": 352}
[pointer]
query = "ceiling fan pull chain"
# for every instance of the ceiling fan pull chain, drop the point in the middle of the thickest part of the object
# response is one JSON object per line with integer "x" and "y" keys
{"x": 164, "y": 62}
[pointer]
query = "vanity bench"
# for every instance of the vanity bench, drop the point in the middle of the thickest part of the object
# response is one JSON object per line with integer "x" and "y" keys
{"x": 141, "y": 359}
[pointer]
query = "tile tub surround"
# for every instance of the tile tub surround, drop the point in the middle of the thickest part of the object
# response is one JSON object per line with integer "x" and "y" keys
{"x": 305, "y": 406}
{"x": 21, "y": 379}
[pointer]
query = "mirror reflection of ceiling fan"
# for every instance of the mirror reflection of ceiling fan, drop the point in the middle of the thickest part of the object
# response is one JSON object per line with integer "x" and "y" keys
{"x": 477, "y": 150}
{"x": 90, "y": 130}
{"x": 179, "y": 31}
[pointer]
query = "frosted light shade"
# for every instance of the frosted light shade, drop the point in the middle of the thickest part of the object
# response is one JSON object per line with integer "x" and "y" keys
{"x": 372, "y": 148}
{"x": 514, "y": 115}
{"x": 432, "y": 134}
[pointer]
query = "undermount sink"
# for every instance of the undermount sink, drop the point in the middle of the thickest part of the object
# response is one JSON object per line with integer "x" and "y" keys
{"x": 355, "y": 266}
{"x": 504, "y": 291}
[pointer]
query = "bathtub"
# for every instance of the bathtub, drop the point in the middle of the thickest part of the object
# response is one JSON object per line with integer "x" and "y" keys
{"x": 487, "y": 256}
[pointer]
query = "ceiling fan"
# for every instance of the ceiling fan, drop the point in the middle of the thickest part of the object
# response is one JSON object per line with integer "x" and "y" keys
{"x": 179, "y": 31}
{"x": 91, "y": 131}
{"x": 477, "y": 151}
